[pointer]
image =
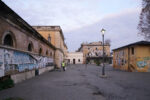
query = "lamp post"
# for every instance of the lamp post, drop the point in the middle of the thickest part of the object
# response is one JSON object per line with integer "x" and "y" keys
{"x": 103, "y": 68}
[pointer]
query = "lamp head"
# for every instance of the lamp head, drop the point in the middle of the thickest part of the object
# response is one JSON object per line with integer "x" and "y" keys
{"x": 103, "y": 31}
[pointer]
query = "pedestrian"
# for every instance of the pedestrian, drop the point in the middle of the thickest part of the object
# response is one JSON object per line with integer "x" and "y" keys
{"x": 63, "y": 66}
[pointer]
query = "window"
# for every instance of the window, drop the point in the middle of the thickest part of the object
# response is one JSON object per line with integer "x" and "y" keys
{"x": 47, "y": 52}
{"x": 40, "y": 51}
{"x": 30, "y": 47}
{"x": 132, "y": 50}
{"x": 51, "y": 54}
{"x": 49, "y": 38}
{"x": 78, "y": 60}
{"x": 8, "y": 40}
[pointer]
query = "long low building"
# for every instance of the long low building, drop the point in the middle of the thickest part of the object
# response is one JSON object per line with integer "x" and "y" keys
{"x": 75, "y": 58}
{"x": 134, "y": 57}
{"x": 55, "y": 36}
{"x": 22, "y": 48}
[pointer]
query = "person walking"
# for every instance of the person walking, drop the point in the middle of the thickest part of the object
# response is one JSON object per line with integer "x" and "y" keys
{"x": 63, "y": 66}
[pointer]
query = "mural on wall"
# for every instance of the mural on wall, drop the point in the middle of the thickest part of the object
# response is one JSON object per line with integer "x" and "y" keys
{"x": 95, "y": 52}
{"x": 120, "y": 58}
{"x": 20, "y": 61}
{"x": 143, "y": 62}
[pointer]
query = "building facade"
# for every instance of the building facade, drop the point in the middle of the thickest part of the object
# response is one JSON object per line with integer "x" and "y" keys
{"x": 75, "y": 58}
{"x": 134, "y": 57}
{"x": 55, "y": 36}
{"x": 22, "y": 48}
{"x": 93, "y": 51}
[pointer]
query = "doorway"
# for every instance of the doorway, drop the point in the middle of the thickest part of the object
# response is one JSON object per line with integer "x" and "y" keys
{"x": 74, "y": 61}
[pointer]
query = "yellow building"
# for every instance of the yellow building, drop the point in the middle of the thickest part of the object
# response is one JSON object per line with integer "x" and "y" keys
{"x": 94, "y": 50}
{"x": 55, "y": 36}
{"x": 134, "y": 57}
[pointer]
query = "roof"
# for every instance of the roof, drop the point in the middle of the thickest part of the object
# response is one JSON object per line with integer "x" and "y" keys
{"x": 8, "y": 14}
{"x": 99, "y": 43}
{"x": 133, "y": 44}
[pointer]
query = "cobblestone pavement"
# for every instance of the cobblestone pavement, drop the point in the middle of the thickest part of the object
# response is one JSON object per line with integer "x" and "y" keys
{"x": 79, "y": 82}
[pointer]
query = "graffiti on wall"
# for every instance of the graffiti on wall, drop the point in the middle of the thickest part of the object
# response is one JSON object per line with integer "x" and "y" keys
{"x": 20, "y": 61}
{"x": 143, "y": 62}
{"x": 120, "y": 58}
{"x": 95, "y": 53}
{"x": 1, "y": 63}
{"x": 1, "y": 58}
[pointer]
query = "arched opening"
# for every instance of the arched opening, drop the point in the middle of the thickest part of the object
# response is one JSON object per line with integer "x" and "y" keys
{"x": 51, "y": 54}
{"x": 47, "y": 52}
{"x": 74, "y": 61}
{"x": 40, "y": 51}
{"x": 30, "y": 47}
{"x": 8, "y": 40}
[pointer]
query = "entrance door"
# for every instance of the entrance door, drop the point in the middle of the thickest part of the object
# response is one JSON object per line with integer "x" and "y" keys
{"x": 74, "y": 61}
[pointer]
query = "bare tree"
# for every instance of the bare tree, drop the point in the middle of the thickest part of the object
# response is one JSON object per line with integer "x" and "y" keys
{"x": 144, "y": 23}
{"x": 107, "y": 41}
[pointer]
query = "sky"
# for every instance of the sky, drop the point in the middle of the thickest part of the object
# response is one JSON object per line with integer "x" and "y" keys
{"x": 82, "y": 20}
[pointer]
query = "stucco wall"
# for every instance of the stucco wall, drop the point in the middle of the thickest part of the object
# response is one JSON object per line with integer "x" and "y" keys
{"x": 17, "y": 78}
{"x": 78, "y": 56}
{"x": 139, "y": 61}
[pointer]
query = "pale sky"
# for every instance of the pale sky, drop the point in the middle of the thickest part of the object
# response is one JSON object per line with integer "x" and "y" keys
{"x": 82, "y": 20}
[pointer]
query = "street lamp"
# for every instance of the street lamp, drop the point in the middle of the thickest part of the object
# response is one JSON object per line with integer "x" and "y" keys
{"x": 103, "y": 68}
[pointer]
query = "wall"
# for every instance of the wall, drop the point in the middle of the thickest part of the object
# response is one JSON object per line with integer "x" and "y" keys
{"x": 45, "y": 69}
{"x": 56, "y": 39}
{"x": 17, "y": 78}
{"x": 22, "y": 38}
{"x": 137, "y": 62}
{"x": 58, "y": 58}
{"x": 95, "y": 51}
{"x": 46, "y": 33}
{"x": 76, "y": 56}
{"x": 120, "y": 59}
{"x": 143, "y": 59}
{"x": 13, "y": 61}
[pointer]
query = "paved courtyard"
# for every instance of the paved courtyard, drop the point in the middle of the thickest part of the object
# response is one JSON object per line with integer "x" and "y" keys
{"x": 83, "y": 83}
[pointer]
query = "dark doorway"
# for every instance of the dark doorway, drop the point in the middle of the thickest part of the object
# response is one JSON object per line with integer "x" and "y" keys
{"x": 8, "y": 40}
{"x": 30, "y": 47}
{"x": 40, "y": 51}
{"x": 74, "y": 61}
{"x": 69, "y": 61}
{"x": 47, "y": 53}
